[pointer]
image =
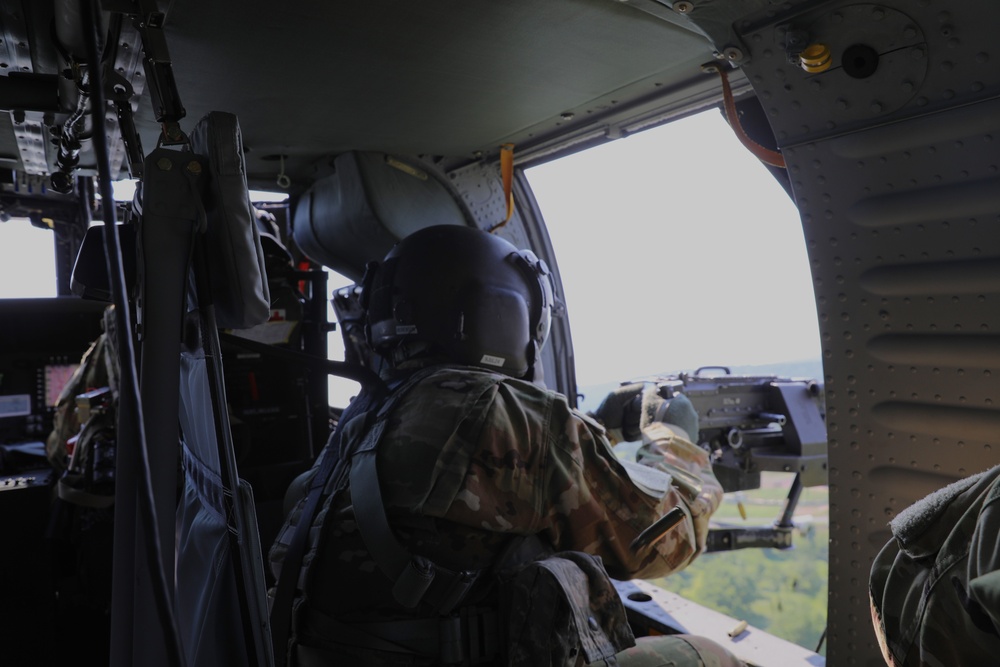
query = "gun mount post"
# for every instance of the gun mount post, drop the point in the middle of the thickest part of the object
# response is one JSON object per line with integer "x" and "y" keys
{"x": 763, "y": 537}
{"x": 794, "y": 493}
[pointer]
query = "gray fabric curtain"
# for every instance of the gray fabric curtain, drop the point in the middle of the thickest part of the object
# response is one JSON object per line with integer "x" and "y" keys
{"x": 208, "y": 597}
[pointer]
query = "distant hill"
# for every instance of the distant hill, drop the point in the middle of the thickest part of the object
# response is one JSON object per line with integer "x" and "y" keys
{"x": 590, "y": 396}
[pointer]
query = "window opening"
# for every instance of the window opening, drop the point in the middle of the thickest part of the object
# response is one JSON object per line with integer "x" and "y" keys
{"x": 677, "y": 249}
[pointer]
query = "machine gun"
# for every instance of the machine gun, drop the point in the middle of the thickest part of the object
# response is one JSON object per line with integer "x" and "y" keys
{"x": 751, "y": 424}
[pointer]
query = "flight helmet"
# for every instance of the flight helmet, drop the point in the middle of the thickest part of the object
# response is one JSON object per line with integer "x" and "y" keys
{"x": 473, "y": 296}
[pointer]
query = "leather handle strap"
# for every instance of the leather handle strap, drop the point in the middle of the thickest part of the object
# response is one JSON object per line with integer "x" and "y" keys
{"x": 765, "y": 155}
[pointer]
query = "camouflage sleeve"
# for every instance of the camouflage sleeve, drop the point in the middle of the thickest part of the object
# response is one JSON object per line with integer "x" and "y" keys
{"x": 600, "y": 510}
{"x": 594, "y": 506}
{"x": 521, "y": 461}
{"x": 667, "y": 449}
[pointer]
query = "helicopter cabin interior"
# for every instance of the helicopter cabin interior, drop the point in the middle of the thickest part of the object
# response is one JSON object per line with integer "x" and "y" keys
{"x": 381, "y": 117}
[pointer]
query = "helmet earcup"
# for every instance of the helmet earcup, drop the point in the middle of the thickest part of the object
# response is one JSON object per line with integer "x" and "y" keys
{"x": 473, "y": 295}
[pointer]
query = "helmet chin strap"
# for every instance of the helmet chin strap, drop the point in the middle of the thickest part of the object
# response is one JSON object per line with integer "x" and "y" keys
{"x": 536, "y": 370}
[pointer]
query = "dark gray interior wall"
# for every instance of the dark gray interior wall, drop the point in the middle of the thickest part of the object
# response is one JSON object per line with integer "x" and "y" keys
{"x": 896, "y": 179}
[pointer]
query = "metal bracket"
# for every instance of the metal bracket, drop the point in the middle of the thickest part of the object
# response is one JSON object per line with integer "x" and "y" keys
{"x": 148, "y": 21}
{"x": 729, "y": 539}
{"x": 119, "y": 91}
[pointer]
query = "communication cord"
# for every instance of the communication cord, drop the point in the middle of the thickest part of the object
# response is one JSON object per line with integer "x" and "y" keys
{"x": 129, "y": 382}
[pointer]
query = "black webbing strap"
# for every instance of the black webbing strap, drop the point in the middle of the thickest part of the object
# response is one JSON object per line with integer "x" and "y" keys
{"x": 284, "y": 594}
{"x": 414, "y": 577}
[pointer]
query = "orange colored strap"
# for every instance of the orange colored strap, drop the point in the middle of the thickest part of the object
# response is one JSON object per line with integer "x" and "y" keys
{"x": 765, "y": 155}
{"x": 507, "y": 173}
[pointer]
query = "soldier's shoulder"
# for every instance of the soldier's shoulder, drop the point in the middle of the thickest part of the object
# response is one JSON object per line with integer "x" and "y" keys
{"x": 457, "y": 386}
{"x": 463, "y": 379}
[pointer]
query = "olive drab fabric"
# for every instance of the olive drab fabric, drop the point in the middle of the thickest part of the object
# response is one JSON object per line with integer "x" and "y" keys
{"x": 935, "y": 587}
{"x": 674, "y": 651}
{"x": 561, "y": 609}
{"x": 468, "y": 461}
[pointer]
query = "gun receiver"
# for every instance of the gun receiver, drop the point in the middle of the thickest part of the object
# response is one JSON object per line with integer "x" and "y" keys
{"x": 749, "y": 424}
{"x": 752, "y": 424}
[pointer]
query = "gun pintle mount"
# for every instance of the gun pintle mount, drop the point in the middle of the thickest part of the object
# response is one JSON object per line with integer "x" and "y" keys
{"x": 751, "y": 424}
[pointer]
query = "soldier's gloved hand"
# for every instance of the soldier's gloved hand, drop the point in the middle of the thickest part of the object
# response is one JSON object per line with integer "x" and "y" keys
{"x": 678, "y": 411}
{"x": 669, "y": 430}
{"x": 618, "y": 410}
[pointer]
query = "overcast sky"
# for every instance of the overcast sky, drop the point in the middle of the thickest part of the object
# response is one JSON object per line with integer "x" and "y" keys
{"x": 27, "y": 261}
{"x": 677, "y": 249}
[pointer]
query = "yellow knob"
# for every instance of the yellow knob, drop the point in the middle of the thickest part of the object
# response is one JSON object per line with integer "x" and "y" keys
{"x": 816, "y": 58}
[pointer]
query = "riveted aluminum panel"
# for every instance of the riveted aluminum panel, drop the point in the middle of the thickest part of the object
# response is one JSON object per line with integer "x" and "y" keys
{"x": 895, "y": 171}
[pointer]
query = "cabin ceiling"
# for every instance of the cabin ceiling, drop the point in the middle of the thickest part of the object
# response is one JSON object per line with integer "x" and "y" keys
{"x": 452, "y": 78}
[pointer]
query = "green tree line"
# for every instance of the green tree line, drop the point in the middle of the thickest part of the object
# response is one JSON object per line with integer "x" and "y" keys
{"x": 782, "y": 592}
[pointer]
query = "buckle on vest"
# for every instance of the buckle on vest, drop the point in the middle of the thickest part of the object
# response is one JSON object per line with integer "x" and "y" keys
{"x": 413, "y": 582}
{"x": 451, "y": 590}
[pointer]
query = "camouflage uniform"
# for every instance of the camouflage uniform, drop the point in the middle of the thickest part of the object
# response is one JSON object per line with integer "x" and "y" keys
{"x": 675, "y": 651}
{"x": 500, "y": 458}
{"x": 935, "y": 587}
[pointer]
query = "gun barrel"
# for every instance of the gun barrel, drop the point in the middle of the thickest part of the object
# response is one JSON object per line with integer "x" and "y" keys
{"x": 775, "y": 417}
{"x": 741, "y": 437}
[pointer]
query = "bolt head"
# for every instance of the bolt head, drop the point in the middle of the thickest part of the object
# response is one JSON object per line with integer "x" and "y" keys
{"x": 164, "y": 164}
